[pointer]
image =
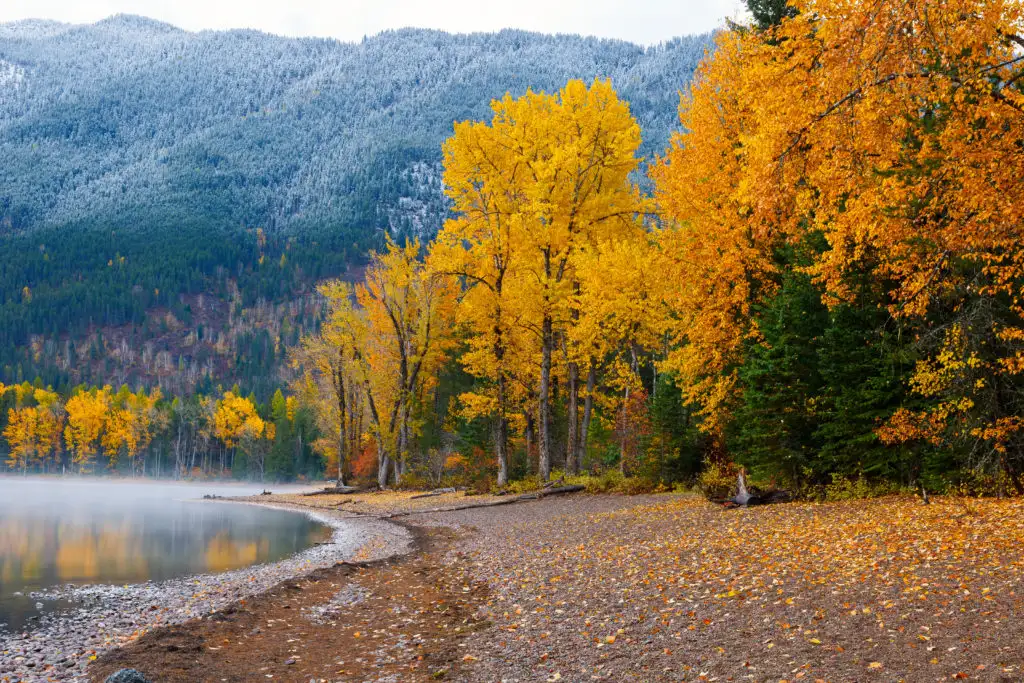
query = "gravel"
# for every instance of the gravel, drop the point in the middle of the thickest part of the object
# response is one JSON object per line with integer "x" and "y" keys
{"x": 679, "y": 590}
{"x": 104, "y": 617}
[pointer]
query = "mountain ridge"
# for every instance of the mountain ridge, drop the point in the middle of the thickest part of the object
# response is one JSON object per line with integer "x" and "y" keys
{"x": 145, "y": 164}
{"x": 98, "y": 97}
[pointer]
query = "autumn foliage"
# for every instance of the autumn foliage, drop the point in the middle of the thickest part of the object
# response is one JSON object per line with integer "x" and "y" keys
{"x": 820, "y": 281}
{"x": 883, "y": 139}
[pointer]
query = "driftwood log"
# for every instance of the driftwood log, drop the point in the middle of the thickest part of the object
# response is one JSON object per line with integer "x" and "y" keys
{"x": 534, "y": 495}
{"x": 435, "y": 492}
{"x": 344, "y": 490}
{"x": 745, "y": 498}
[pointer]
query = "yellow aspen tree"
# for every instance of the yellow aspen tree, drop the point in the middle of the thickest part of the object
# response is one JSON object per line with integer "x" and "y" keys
{"x": 118, "y": 434}
{"x": 232, "y": 412}
{"x": 545, "y": 176}
{"x": 22, "y": 438}
{"x": 236, "y": 423}
{"x": 397, "y": 332}
{"x": 621, "y": 315}
{"x": 328, "y": 363}
{"x": 86, "y": 416}
{"x": 33, "y": 432}
{"x": 129, "y": 425}
{"x": 579, "y": 191}
{"x": 144, "y": 415}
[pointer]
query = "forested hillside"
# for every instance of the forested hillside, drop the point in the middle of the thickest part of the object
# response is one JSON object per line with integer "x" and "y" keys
{"x": 819, "y": 281}
{"x": 143, "y": 163}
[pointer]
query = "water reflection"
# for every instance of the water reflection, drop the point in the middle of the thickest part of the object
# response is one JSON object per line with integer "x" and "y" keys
{"x": 57, "y": 532}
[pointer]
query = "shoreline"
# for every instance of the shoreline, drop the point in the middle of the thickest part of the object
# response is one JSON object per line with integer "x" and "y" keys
{"x": 658, "y": 587}
{"x": 105, "y": 617}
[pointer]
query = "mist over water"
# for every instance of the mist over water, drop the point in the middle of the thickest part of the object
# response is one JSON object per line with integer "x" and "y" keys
{"x": 54, "y": 532}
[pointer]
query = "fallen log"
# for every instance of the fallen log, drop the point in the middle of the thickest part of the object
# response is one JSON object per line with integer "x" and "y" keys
{"x": 336, "y": 490}
{"x": 543, "y": 493}
{"x": 561, "y": 489}
{"x": 431, "y": 494}
{"x": 453, "y": 508}
{"x": 754, "y": 499}
{"x": 346, "y": 563}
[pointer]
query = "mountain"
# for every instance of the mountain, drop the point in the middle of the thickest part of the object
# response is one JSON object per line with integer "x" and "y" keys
{"x": 137, "y": 160}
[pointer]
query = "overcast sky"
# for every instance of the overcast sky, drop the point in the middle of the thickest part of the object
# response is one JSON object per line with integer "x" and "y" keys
{"x": 641, "y": 21}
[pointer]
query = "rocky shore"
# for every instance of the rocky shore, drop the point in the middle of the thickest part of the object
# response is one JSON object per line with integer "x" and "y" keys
{"x": 103, "y": 617}
{"x": 596, "y": 587}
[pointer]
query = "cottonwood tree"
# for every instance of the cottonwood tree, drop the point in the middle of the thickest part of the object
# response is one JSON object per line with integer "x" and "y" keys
{"x": 87, "y": 414}
{"x": 397, "y": 329}
{"x": 330, "y": 369}
{"x": 33, "y": 431}
{"x": 547, "y": 175}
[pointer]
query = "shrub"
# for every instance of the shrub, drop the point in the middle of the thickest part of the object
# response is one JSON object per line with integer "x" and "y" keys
{"x": 520, "y": 486}
{"x": 718, "y": 480}
{"x": 415, "y": 481}
{"x": 845, "y": 488}
{"x": 613, "y": 481}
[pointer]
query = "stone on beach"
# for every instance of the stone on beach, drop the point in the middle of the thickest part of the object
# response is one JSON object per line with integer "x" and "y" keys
{"x": 127, "y": 676}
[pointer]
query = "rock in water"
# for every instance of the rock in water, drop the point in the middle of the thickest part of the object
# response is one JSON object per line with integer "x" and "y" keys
{"x": 127, "y": 676}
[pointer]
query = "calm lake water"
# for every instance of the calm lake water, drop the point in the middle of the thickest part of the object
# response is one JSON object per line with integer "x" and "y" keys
{"x": 54, "y": 532}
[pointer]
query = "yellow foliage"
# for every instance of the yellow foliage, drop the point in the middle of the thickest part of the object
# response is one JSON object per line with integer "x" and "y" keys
{"x": 533, "y": 189}
{"x": 87, "y": 414}
{"x": 388, "y": 336}
{"x": 236, "y": 419}
{"x": 30, "y": 435}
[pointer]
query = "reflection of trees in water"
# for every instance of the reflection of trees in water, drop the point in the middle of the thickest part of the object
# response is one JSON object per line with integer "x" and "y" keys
{"x": 223, "y": 553}
{"x": 84, "y": 546}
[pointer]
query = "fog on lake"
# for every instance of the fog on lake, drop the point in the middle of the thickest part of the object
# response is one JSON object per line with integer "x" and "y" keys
{"x": 56, "y": 531}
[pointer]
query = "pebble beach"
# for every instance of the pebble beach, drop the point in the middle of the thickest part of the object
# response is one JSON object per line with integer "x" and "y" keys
{"x": 102, "y": 617}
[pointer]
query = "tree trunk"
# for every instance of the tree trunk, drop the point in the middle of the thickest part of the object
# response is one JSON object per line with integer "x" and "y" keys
{"x": 383, "y": 464}
{"x": 340, "y": 390}
{"x": 401, "y": 443}
{"x": 501, "y": 434}
{"x": 572, "y": 463}
{"x": 355, "y": 424}
{"x": 544, "y": 399}
{"x": 588, "y": 408}
{"x": 528, "y": 436}
{"x": 342, "y": 447}
{"x": 501, "y": 424}
{"x": 624, "y": 427}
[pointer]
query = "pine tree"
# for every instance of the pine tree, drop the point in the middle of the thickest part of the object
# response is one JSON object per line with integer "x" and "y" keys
{"x": 774, "y": 426}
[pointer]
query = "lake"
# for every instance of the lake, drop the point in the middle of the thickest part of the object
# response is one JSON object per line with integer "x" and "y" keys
{"x": 55, "y": 531}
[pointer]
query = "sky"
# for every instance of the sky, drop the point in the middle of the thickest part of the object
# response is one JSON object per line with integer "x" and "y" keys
{"x": 640, "y": 21}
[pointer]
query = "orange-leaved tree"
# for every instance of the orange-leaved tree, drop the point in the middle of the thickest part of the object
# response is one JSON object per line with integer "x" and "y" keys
{"x": 890, "y": 132}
